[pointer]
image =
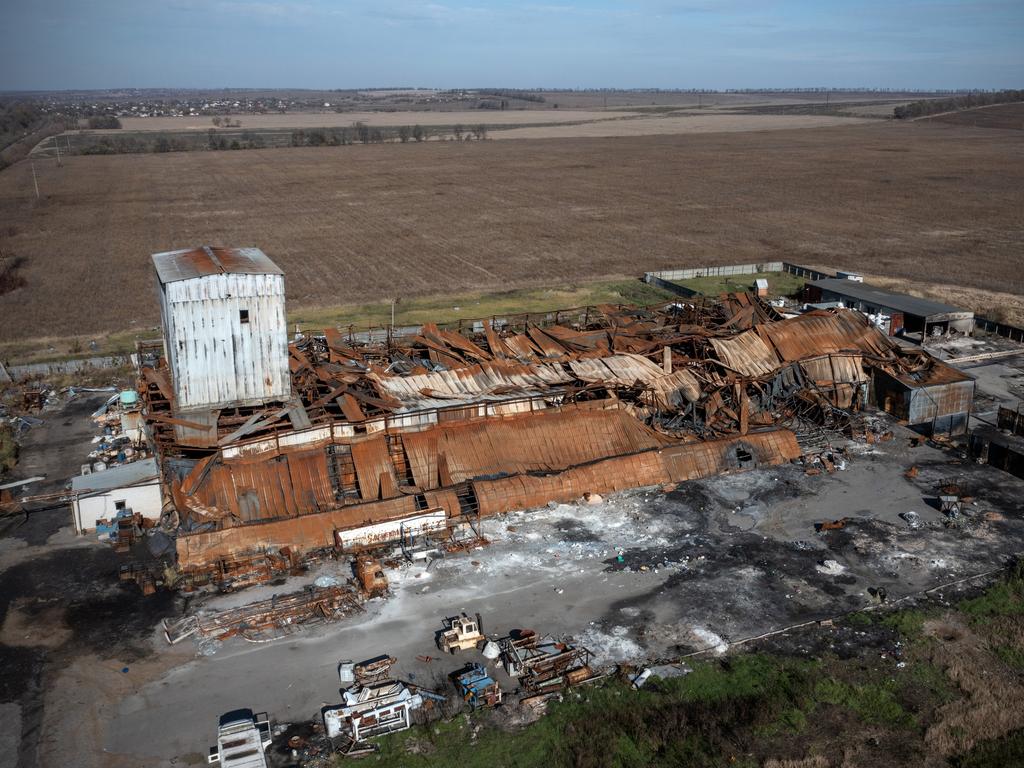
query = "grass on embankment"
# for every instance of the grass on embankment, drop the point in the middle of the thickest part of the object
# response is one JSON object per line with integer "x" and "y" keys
{"x": 450, "y": 308}
{"x": 414, "y": 311}
{"x": 779, "y": 283}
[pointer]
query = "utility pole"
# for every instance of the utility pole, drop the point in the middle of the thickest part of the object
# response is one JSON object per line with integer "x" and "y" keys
{"x": 34, "y": 180}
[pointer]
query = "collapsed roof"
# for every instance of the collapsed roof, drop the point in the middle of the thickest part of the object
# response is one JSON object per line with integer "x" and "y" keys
{"x": 489, "y": 416}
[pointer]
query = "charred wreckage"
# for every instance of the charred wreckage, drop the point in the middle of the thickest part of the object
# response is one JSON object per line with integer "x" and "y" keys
{"x": 273, "y": 452}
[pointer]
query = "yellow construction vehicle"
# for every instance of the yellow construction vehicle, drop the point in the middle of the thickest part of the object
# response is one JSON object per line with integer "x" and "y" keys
{"x": 460, "y": 634}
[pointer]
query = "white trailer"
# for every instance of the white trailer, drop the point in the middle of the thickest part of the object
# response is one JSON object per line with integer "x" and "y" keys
{"x": 373, "y": 710}
{"x": 242, "y": 740}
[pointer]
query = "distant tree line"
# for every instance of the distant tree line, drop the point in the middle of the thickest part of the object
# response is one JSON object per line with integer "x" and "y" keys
{"x": 361, "y": 133}
{"x": 248, "y": 140}
{"x": 214, "y": 140}
{"x": 18, "y": 118}
{"x": 955, "y": 103}
{"x": 120, "y": 145}
{"x": 23, "y": 124}
{"x": 512, "y": 93}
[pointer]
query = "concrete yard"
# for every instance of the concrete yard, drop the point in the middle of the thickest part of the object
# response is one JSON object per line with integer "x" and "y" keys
{"x": 711, "y": 562}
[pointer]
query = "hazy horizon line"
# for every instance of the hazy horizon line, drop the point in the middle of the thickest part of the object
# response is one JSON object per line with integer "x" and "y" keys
{"x": 542, "y": 89}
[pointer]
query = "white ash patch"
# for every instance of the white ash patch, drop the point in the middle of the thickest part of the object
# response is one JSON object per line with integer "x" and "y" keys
{"x": 610, "y": 647}
{"x": 708, "y": 640}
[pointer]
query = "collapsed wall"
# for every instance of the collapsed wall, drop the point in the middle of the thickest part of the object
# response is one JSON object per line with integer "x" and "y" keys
{"x": 476, "y": 469}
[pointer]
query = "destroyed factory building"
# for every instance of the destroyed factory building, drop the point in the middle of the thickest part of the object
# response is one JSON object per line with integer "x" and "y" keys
{"x": 270, "y": 451}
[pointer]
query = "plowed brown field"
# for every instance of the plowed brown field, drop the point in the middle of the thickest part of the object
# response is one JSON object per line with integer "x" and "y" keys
{"x": 1010, "y": 116}
{"x": 358, "y": 223}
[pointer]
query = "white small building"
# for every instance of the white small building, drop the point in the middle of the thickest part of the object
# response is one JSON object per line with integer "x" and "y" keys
{"x": 101, "y": 495}
{"x": 225, "y": 332}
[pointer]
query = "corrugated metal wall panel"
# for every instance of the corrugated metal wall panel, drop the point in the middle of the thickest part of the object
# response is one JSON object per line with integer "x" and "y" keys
{"x": 302, "y": 533}
{"x": 216, "y": 359}
{"x": 374, "y": 468}
{"x": 421, "y": 451}
{"x": 311, "y": 485}
{"x": 933, "y": 402}
{"x": 311, "y": 531}
{"x": 540, "y": 442}
{"x": 678, "y": 463}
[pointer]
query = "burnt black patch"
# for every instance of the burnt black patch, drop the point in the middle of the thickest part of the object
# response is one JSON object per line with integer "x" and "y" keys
{"x": 574, "y": 531}
{"x": 104, "y": 616}
{"x": 22, "y": 668}
{"x": 118, "y": 625}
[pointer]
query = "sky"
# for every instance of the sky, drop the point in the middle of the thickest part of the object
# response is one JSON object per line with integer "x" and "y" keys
{"x": 322, "y": 44}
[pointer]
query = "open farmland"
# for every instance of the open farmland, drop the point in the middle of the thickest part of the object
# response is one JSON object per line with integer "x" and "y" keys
{"x": 267, "y": 131}
{"x": 1010, "y": 116}
{"x": 354, "y": 224}
{"x": 673, "y": 123}
{"x": 381, "y": 119}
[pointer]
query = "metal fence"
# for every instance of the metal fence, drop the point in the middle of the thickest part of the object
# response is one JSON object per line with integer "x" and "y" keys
{"x": 724, "y": 271}
{"x": 666, "y": 279}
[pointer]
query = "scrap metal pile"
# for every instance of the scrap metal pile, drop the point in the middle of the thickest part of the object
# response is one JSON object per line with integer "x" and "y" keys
{"x": 545, "y": 666}
{"x": 270, "y": 618}
{"x": 423, "y": 434}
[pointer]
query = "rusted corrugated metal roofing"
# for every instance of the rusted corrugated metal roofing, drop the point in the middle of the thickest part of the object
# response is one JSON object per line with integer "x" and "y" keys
{"x": 746, "y": 354}
{"x": 823, "y": 333}
{"x": 304, "y": 533}
{"x": 256, "y": 488}
{"x": 935, "y": 374}
{"x": 628, "y": 369}
{"x": 489, "y": 381}
{"x": 837, "y": 376}
{"x": 172, "y": 266}
{"x": 536, "y": 442}
{"x": 833, "y": 369}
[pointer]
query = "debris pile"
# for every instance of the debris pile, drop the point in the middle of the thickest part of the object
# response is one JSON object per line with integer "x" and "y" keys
{"x": 545, "y": 666}
{"x": 122, "y": 439}
{"x": 267, "y": 619}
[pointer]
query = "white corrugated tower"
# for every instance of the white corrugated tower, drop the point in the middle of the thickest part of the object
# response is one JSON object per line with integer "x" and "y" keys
{"x": 225, "y": 334}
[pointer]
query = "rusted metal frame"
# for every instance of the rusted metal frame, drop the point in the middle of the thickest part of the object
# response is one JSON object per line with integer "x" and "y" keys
{"x": 244, "y": 429}
{"x": 280, "y": 612}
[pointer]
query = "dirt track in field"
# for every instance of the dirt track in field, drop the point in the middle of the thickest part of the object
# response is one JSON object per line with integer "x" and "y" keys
{"x": 921, "y": 200}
